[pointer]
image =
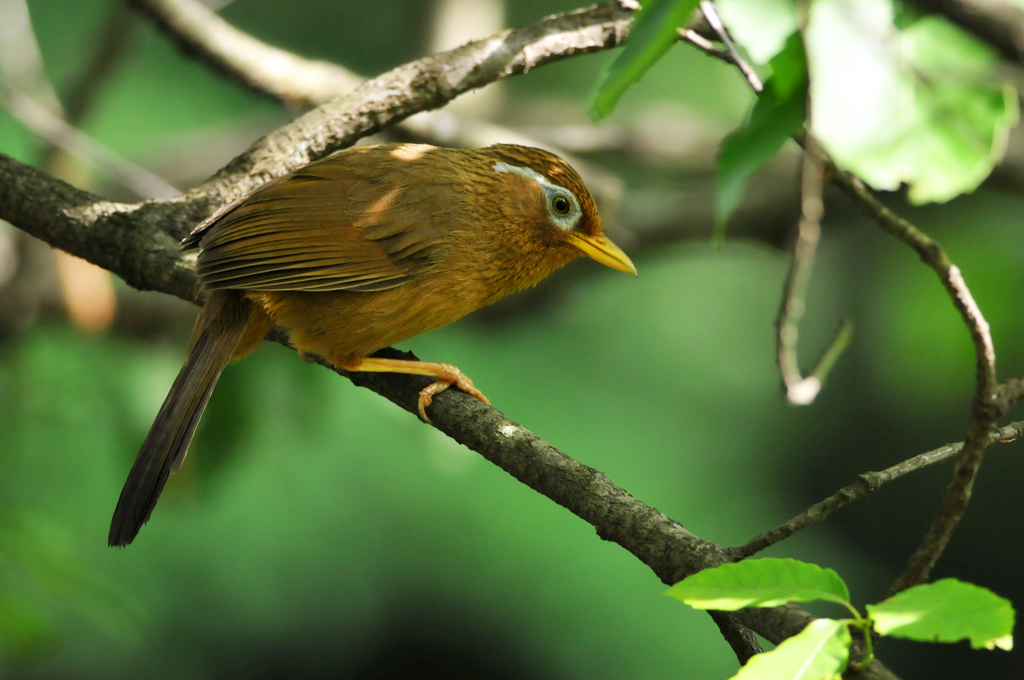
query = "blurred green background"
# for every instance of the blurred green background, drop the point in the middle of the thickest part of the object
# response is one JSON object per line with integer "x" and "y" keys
{"x": 316, "y": 530}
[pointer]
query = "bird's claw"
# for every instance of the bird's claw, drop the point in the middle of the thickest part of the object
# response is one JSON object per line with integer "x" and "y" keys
{"x": 450, "y": 376}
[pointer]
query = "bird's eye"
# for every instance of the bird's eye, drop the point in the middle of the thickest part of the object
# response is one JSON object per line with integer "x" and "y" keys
{"x": 560, "y": 205}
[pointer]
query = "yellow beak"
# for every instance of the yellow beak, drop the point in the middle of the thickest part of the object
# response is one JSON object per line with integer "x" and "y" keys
{"x": 601, "y": 249}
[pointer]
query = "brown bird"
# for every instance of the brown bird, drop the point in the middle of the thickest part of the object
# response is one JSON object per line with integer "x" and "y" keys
{"x": 359, "y": 251}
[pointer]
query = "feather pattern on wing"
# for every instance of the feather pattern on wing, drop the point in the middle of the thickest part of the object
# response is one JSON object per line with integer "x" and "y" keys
{"x": 343, "y": 223}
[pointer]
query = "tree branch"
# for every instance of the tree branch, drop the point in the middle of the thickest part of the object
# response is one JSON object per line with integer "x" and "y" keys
{"x": 138, "y": 242}
{"x": 127, "y": 239}
{"x": 287, "y": 77}
{"x": 710, "y": 12}
{"x": 420, "y": 85}
{"x": 801, "y": 391}
{"x": 984, "y": 409}
{"x": 867, "y": 483}
{"x": 297, "y": 81}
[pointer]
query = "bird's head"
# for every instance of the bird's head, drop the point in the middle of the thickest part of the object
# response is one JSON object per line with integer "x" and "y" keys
{"x": 547, "y": 190}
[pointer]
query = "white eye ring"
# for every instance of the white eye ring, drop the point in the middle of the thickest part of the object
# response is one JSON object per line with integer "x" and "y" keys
{"x": 556, "y": 196}
{"x": 563, "y": 208}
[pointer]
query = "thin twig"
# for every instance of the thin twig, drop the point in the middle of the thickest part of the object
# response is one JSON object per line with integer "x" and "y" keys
{"x": 867, "y": 483}
{"x": 704, "y": 45}
{"x": 840, "y": 341}
{"x": 112, "y": 46}
{"x": 801, "y": 391}
{"x": 984, "y": 409}
{"x": 57, "y": 132}
{"x": 707, "y": 7}
{"x": 266, "y": 69}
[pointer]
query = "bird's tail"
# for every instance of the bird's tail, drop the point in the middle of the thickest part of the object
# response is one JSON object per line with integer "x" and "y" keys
{"x": 217, "y": 332}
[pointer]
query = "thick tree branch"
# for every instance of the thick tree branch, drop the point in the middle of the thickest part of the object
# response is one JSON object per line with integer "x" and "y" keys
{"x": 137, "y": 242}
{"x": 126, "y": 239}
{"x": 867, "y": 483}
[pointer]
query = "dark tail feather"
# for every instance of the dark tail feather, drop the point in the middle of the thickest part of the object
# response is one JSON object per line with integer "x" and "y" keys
{"x": 218, "y": 330}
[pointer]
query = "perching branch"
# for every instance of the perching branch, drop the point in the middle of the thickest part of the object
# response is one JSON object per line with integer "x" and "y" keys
{"x": 867, "y": 483}
{"x": 138, "y": 242}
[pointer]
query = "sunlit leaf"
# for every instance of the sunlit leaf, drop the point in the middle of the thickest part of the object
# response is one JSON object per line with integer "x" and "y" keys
{"x": 821, "y": 650}
{"x": 653, "y": 33}
{"x": 920, "y": 106}
{"x": 761, "y": 26}
{"x": 768, "y": 582}
{"x": 947, "y": 611}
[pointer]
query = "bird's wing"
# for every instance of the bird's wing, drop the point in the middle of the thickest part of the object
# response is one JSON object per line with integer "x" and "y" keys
{"x": 333, "y": 225}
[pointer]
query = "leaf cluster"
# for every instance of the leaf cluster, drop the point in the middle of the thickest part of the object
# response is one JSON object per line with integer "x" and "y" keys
{"x": 948, "y": 610}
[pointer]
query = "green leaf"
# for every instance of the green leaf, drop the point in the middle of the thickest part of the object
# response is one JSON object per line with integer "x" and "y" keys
{"x": 744, "y": 152}
{"x": 767, "y": 582}
{"x": 921, "y": 106}
{"x": 789, "y": 68}
{"x": 653, "y": 32}
{"x": 947, "y": 611}
{"x": 821, "y": 650}
{"x": 761, "y": 26}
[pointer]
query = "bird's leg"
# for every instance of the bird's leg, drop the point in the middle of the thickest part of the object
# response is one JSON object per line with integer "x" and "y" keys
{"x": 446, "y": 375}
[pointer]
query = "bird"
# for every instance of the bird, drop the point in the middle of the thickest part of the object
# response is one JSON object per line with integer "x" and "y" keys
{"x": 359, "y": 251}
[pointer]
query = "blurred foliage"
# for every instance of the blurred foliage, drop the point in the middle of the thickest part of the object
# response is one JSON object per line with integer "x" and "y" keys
{"x": 651, "y": 36}
{"x": 924, "y": 105}
{"x": 316, "y": 530}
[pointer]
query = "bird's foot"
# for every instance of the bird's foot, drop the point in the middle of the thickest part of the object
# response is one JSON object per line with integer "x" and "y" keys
{"x": 445, "y": 376}
{"x": 448, "y": 375}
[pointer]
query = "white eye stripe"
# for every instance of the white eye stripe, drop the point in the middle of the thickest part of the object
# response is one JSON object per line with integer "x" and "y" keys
{"x": 525, "y": 172}
{"x": 551, "y": 191}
